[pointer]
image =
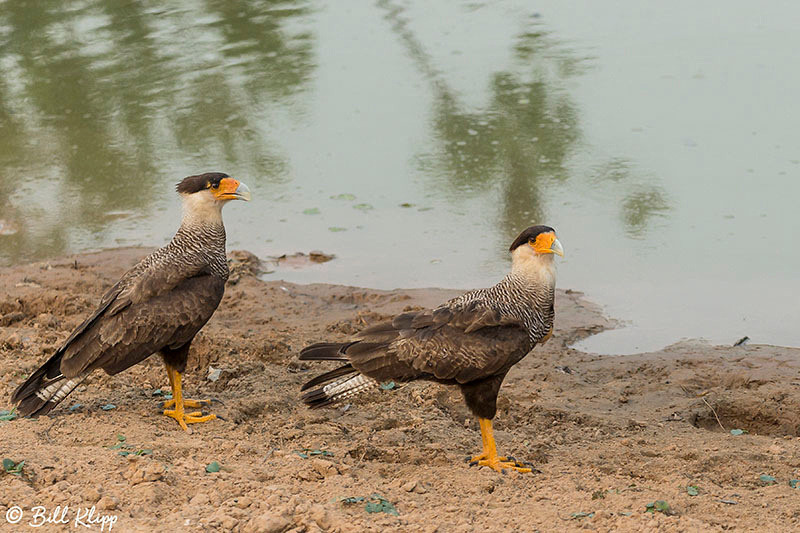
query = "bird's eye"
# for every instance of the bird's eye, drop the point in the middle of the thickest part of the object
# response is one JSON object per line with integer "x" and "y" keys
{"x": 215, "y": 185}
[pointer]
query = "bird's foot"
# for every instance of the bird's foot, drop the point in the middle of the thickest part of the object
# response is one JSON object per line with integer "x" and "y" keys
{"x": 187, "y": 403}
{"x": 499, "y": 464}
{"x": 184, "y": 418}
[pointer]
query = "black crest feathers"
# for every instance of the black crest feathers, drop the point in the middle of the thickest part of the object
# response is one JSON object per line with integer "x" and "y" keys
{"x": 529, "y": 234}
{"x": 193, "y": 184}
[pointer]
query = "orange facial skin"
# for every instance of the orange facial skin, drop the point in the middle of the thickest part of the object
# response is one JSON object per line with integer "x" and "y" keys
{"x": 230, "y": 189}
{"x": 543, "y": 243}
{"x": 546, "y": 243}
{"x": 227, "y": 189}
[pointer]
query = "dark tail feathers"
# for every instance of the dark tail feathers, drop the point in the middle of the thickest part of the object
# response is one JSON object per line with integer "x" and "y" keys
{"x": 329, "y": 376}
{"x": 45, "y": 388}
{"x": 336, "y": 391}
{"x": 325, "y": 351}
{"x": 338, "y": 384}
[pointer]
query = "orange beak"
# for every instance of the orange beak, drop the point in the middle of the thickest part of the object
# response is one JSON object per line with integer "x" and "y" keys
{"x": 231, "y": 189}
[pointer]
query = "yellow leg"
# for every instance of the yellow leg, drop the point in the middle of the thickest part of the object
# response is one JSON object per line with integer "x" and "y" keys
{"x": 195, "y": 404}
{"x": 488, "y": 457}
{"x": 179, "y": 403}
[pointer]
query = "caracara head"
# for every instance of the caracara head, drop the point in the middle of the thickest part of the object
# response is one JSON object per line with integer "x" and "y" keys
{"x": 213, "y": 187}
{"x": 205, "y": 194}
{"x": 532, "y": 251}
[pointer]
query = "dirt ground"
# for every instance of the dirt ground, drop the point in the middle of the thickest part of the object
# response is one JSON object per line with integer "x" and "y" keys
{"x": 609, "y": 435}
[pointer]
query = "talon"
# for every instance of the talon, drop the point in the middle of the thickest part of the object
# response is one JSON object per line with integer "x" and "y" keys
{"x": 188, "y": 418}
{"x": 480, "y": 457}
{"x": 500, "y": 466}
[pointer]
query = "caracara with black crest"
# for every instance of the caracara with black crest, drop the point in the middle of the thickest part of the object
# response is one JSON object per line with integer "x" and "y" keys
{"x": 157, "y": 307}
{"x": 471, "y": 341}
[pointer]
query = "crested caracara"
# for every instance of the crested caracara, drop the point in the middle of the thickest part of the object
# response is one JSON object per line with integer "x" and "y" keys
{"x": 471, "y": 341}
{"x": 159, "y": 305}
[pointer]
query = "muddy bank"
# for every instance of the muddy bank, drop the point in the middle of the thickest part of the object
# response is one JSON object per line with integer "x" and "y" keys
{"x": 610, "y": 435}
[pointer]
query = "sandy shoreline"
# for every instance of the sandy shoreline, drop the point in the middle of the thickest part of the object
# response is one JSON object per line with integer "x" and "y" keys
{"x": 609, "y": 434}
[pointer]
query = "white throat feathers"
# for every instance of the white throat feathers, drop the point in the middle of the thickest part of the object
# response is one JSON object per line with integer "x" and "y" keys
{"x": 526, "y": 263}
{"x": 201, "y": 208}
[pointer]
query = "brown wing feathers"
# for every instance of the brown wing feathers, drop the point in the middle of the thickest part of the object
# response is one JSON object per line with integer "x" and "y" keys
{"x": 445, "y": 344}
{"x": 118, "y": 335}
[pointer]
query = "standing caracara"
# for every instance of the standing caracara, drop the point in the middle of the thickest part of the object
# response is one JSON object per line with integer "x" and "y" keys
{"x": 158, "y": 306}
{"x": 471, "y": 341}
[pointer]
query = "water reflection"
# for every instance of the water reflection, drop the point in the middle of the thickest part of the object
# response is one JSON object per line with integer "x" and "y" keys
{"x": 522, "y": 139}
{"x": 519, "y": 139}
{"x": 641, "y": 200}
{"x": 640, "y": 206}
{"x": 106, "y": 101}
{"x": 104, "y": 105}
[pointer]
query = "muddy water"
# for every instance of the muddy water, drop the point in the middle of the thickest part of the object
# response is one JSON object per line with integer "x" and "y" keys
{"x": 414, "y": 139}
